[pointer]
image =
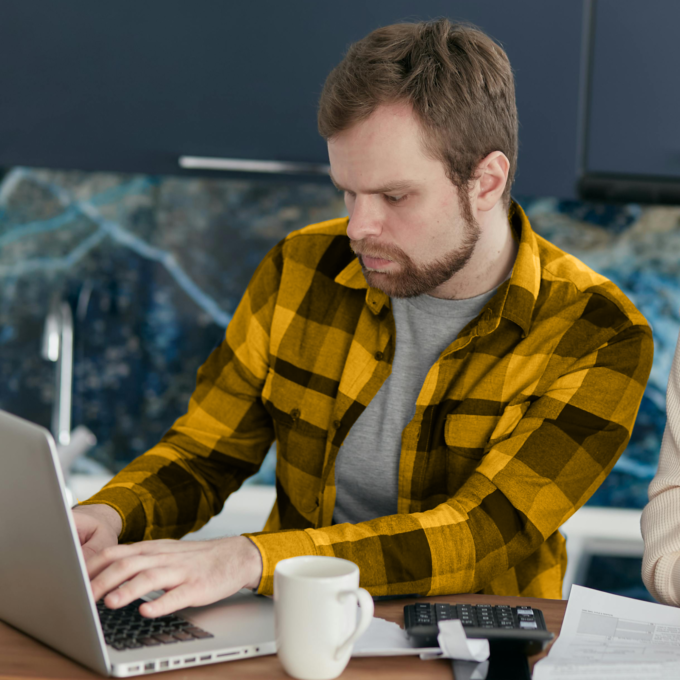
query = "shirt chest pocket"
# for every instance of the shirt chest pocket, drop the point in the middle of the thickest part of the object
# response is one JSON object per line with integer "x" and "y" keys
{"x": 297, "y": 407}
{"x": 301, "y": 421}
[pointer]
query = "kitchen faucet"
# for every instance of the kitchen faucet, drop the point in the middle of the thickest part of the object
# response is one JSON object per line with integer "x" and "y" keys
{"x": 58, "y": 347}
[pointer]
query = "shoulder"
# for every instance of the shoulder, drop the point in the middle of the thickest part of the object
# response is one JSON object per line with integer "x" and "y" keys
{"x": 570, "y": 280}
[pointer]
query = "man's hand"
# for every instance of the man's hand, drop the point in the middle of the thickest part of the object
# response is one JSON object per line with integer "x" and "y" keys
{"x": 193, "y": 573}
{"x": 98, "y": 528}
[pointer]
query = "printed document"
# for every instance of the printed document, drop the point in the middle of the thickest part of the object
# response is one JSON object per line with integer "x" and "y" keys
{"x": 608, "y": 636}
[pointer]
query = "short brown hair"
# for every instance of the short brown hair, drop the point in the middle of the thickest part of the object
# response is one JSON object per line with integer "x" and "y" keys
{"x": 457, "y": 79}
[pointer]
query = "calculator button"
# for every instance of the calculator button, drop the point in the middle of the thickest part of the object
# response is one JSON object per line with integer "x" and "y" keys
{"x": 528, "y": 624}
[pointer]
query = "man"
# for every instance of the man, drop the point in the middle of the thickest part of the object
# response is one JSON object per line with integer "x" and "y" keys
{"x": 445, "y": 387}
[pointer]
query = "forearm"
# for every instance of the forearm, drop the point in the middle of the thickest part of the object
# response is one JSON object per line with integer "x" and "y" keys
{"x": 167, "y": 493}
{"x": 397, "y": 554}
{"x": 661, "y": 533}
{"x": 661, "y": 517}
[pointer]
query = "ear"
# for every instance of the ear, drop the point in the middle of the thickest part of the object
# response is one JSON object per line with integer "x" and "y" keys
{"x": 490, "y": 180}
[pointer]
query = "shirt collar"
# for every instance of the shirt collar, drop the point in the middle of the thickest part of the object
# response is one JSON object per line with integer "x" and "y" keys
{"x": 517, "y": 301}
{"x": 352, "y": 277}
{"x": 516, "y": 297}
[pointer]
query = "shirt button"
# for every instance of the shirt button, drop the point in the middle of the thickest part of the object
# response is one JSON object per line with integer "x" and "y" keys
{"x": 379, "y": 356}
{"x": 295, "y": 413}
{"x": 336, "y": 424}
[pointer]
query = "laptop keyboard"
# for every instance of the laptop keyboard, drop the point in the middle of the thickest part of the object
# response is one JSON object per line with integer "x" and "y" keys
{"x": 126, "y": 628}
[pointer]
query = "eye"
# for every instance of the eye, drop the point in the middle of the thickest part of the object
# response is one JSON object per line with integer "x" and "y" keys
{"x": 395, "y": 199}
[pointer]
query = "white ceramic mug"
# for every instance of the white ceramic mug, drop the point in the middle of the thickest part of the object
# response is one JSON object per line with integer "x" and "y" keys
{"x": 315, "y": 612}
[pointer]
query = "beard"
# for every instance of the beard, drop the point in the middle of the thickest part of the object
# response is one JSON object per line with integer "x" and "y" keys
{"x": 411, "y": 280}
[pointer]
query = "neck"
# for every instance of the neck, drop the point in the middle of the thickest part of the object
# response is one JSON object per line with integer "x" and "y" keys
{"x": 491, "y": 262}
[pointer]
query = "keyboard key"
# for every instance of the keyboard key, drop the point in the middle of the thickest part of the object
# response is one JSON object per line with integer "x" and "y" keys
{"x": 149, "y": 641}
{"x": 183, "y": 637}
{"x": 165, "y": 638}
{"x": 133, "y": 644}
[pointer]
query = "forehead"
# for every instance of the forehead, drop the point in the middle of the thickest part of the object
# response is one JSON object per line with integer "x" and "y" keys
{"x": 385, "y": 147}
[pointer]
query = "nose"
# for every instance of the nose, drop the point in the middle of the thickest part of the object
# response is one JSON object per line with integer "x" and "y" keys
{"x": 365, "y": 219}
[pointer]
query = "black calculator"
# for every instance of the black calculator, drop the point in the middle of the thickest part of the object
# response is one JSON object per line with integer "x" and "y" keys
{"x": 504, "y": 626}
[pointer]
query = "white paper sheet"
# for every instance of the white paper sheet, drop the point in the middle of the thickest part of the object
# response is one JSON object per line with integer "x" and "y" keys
{"x": 454, "y": 644}
{"x": 384, "y": 638}
{"x": 608, "y": 636}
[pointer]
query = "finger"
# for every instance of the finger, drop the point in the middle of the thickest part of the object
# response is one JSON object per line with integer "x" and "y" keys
{"x": 106, "y": 557}
{"x": 109, "y": 555}
{"x": 120, "y": 571}
{"x": 185, "y": 594}
{"x": 158, "y": 578}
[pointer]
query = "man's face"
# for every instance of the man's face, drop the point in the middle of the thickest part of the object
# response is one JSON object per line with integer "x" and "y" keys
{"x": 406, "y": 222}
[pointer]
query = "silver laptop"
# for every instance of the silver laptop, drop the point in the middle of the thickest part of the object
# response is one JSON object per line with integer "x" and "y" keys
{"x": 45, "y": 589}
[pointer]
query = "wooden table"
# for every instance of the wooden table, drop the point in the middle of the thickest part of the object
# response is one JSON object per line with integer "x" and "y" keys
{"x": 21, "y": 657}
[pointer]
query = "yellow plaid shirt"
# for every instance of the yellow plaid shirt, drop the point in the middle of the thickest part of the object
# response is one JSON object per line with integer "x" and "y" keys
{"x": 518, "y": 422}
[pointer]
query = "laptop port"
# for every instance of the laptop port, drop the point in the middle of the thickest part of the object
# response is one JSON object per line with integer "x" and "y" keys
{"x": 205, "y": 658}
{"x": 191, "y": 659}
{"x": 221, "y": 656}
{"x": 132, "y": 669}
{"x": 164, "y": 664}
{"x": 151, "y": 666}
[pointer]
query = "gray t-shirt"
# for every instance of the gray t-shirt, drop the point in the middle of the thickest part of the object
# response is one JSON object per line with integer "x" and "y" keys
{"x": 367, "y": 467}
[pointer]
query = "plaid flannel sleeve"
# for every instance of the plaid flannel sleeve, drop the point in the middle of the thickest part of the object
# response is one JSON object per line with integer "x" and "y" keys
{"x": 558, "y": 450}
{"x": 178, "y": 485}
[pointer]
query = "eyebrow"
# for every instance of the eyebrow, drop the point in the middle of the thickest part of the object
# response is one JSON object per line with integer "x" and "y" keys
{"x": 403, "y": 185}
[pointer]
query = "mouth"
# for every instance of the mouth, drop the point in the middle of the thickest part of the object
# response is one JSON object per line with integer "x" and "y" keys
{"x": 374, "y": 263}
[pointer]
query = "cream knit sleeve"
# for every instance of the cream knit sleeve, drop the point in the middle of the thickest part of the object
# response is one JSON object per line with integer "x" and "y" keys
{"x": 661, "y": 516}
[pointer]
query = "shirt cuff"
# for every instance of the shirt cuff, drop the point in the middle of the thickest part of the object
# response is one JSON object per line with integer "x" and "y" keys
{"x": 128, "y": 506}
{"x": 276, "y": 546}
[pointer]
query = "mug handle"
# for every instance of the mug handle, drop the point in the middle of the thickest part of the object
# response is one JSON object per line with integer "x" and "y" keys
{"x": 365, "y": 601}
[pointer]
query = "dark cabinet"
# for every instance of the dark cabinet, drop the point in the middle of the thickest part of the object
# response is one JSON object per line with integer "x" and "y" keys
{"x": 131, "y": 86}
{"x": 630, "y": 142}
{"x": 635, "y": 97}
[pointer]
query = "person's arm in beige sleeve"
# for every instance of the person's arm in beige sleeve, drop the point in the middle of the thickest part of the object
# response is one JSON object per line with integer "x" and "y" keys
{"x": 661, "y": 516}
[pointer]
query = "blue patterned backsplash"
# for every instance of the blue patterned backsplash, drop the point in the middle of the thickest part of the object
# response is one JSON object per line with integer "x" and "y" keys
{"x": 153, "y": 268}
